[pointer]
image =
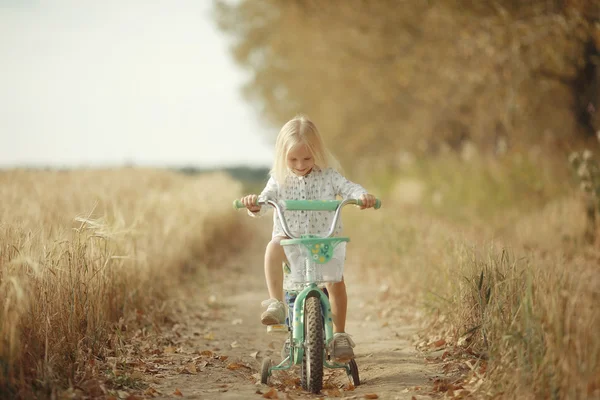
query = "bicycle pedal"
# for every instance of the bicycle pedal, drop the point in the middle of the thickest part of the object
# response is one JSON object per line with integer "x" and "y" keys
{"x": 277, "y": 328}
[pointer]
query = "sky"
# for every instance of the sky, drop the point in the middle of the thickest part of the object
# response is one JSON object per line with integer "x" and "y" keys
{"x": 88, "y": 83}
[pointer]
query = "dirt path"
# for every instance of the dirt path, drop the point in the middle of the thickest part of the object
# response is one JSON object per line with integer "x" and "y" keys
{"x": 214, "y": 346}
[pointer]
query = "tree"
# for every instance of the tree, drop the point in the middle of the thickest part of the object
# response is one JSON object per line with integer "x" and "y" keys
{"x": 378, "y": 76}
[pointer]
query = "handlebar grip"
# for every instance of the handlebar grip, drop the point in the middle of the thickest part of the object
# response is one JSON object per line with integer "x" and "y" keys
{"x": 238, "y": 204}
{"x": 377, "y": 203}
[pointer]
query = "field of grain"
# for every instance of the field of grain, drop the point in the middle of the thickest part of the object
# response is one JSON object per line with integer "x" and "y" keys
{"x": 90, "y": 257}
{"x": 86, "y": 255}
{"x": 514, "y": 308}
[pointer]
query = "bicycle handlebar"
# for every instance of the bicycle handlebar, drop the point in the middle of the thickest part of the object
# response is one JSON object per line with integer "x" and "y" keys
{"x": 310, "y": 205}
{"x": 307, "y": 205}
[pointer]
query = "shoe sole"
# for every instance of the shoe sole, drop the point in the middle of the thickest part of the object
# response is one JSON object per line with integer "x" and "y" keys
{"x": 269, "y": 320}
{"x": 344, "y": 359}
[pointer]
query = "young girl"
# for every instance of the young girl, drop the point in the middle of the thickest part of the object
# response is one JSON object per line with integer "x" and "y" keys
{"x": 304, "y": 170}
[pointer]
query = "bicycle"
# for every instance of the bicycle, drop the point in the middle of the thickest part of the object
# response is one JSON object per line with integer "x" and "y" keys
{"x": 314, "y": 261}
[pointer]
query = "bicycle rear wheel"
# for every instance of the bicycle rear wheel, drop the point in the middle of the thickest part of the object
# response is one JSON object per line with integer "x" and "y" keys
{"x": 312, "y": 363}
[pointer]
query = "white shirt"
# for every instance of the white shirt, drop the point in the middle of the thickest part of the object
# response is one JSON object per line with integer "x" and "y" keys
{"x": 319, "y": 184}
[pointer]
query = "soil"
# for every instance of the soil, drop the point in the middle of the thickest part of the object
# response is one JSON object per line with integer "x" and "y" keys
{"x": 213, "y": 347}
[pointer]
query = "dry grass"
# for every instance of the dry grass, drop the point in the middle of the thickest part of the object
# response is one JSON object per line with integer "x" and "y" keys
{"x": 522, "y": 305}
{"x": 82, "y": 250}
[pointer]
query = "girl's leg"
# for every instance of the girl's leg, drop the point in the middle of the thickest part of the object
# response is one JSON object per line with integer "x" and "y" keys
{"x": 342, "y": 342}
{"x": 274, "y": 257}
{"x": 339, "y": 304}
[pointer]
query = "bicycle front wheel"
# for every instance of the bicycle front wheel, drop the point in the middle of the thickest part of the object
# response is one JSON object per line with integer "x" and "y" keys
{"x": 312, "y": 364}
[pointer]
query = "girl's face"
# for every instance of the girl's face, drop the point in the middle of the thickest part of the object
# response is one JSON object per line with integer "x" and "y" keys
{"x": 300, "y": 160}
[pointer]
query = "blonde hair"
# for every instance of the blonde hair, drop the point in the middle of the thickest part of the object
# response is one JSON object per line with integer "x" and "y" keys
{"x": 300, "y": 130}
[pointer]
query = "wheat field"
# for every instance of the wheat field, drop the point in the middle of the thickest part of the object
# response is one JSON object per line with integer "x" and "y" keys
{"x": 86, "y": 254}
{"x": 518, "y": 310}
{"x": 84, "y": 250}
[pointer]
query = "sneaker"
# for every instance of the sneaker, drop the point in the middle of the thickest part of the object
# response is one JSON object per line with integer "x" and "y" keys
{"x": 275, "y": 314}
{"x": 341, "y": 347}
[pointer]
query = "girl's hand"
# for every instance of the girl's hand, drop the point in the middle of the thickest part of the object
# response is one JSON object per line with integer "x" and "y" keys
{"x": 250, "y": 202}
{"x": 368, "y": 201}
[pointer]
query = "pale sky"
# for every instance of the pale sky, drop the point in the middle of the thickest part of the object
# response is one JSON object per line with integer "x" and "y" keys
{"x": 97, "y": 83}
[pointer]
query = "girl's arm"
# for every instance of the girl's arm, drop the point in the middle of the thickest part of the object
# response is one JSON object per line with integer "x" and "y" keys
{"x": 269, "y": 192}
{"x": 346, "y": 188}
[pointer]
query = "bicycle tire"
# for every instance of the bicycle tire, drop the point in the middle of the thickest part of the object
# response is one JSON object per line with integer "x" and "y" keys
{"x": 312, "y": 363}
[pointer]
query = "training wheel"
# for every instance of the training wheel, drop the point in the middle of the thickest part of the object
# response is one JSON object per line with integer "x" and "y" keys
{"x": 354, "y": 373}
{"x": 265, "y": 373}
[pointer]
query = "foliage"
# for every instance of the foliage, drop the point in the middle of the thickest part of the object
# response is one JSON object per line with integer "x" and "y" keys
{"x": 378, "y": 76}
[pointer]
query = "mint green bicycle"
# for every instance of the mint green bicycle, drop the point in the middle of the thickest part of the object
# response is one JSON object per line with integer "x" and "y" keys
{"x": 312, "y": 262}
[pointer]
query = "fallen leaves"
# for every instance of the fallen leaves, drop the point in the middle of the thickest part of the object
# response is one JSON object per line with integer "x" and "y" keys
{"x": 151, "y": 392}
{"x": 335, "y": 392}
{"x": 271, "y": 394}
{"x": 196, "y": 353}
{"x": 444, "y": 385}
{"x": 236, "y": 366}
{"x": 210, "y": 354}
{"x": 469, "y": 374}
{"x": 189, "y": 369}
{"x": 289, "y": 381}
{"x": 435, "y": 343}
